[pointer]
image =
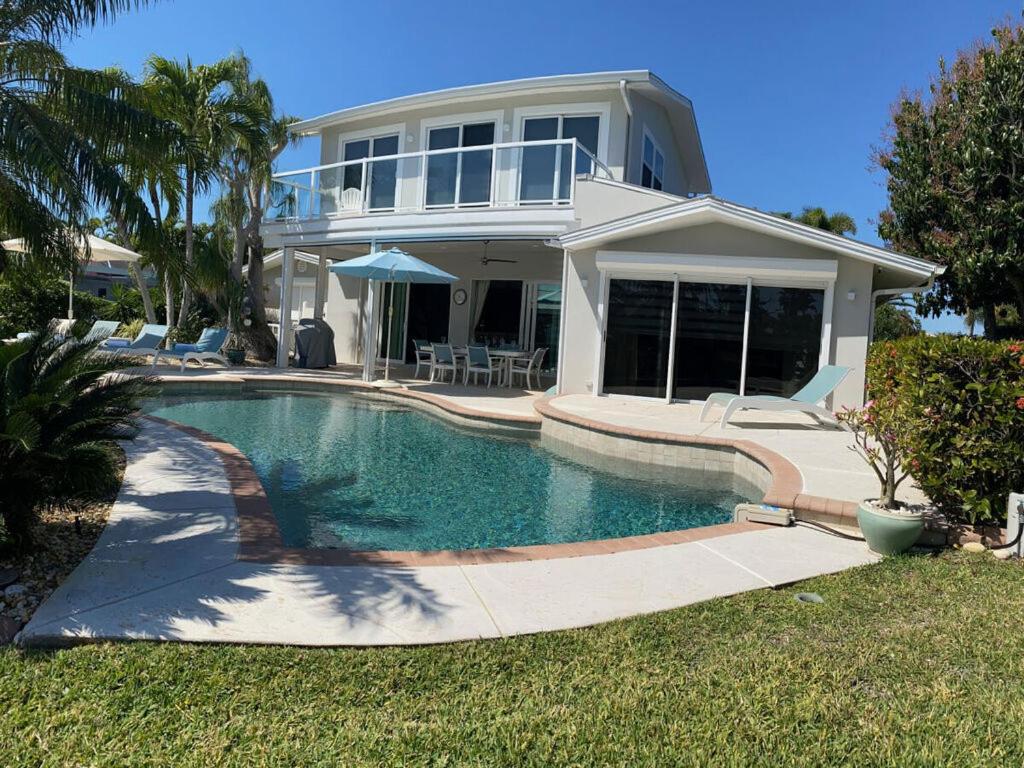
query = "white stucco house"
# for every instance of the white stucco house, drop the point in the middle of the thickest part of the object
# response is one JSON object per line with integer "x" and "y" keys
{"x": 577, "y": 212}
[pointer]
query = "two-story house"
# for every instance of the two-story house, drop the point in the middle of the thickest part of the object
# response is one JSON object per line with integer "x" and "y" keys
{"x": 577, "y": 213}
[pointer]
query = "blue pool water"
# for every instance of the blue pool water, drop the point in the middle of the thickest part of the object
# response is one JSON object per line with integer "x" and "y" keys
{"x": 342, "y": 470}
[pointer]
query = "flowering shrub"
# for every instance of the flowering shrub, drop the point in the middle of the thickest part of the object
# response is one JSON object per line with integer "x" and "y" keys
{"x": 959, "y": 402}
{"x": 877, "y": 429}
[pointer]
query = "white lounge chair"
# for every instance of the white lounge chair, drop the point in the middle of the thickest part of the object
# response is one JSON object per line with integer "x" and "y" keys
{"x": 208, "y": 347}
{"x": 146, "y": 344}
{"x": 821, "y": 385}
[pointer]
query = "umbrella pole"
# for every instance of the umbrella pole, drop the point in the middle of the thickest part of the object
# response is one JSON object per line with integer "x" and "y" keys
{"x": 71, "y": 294}
{"x": 387, "y": 344}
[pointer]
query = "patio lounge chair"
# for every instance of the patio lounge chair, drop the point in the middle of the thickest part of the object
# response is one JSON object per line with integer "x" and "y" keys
{"x": 821, "y": 385}
{"x": 101, "y": 329}
{"x": 207, "y": 347}
{"x": 145, "y": 344}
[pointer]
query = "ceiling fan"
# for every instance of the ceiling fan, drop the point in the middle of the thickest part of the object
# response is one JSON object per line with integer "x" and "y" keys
{"x": 484, "y": 260}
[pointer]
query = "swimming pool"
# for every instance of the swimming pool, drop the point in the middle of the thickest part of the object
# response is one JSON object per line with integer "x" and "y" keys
{"x": 347, "y": 471}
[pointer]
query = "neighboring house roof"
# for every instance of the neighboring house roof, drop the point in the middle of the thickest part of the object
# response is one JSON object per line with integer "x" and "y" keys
{"x": 708, "y": 209}
{"x": 274, "y": 259}
{"x": 678, "y": 107}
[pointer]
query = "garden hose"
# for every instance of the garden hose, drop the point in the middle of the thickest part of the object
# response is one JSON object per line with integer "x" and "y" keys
{"x": 1020, "y": 530}
{"x": 826, "y": 529}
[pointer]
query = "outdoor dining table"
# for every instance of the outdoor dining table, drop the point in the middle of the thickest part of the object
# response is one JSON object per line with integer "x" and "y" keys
{"x": 505, "y": 357}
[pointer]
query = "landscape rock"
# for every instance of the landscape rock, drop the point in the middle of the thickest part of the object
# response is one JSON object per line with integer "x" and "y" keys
{"x": 974, "y": 546}
{"x": 8, "y": 629}
{"x": 1002, "y": 554}
{"x": 15, "y": 590}
{"x": 8, "y": 576}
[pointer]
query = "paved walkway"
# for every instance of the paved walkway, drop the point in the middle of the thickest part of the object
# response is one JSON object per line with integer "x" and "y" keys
{"x": 166, "y": 568}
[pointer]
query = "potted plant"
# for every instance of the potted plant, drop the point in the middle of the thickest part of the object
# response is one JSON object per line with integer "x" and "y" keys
{"x": 888, "y": 527}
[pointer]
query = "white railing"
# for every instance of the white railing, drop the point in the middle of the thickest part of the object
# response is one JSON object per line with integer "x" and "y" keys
{"x": 517, "y": 174}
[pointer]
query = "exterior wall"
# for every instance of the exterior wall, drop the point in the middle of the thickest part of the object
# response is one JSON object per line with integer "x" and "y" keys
{"x": 850, "y": 317}
{"x": 597, "y": 202}
{"x": 412, "y": 135}
{"x": 647, "y": 114}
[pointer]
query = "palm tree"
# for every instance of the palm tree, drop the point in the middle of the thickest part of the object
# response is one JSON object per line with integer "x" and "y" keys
{"x": 838, "y": 223}
{"x": 200, "y": 101}
{"x": 245, "y": 171}
{"x": 60, "y": 413}
{"x": 59, "y": 127}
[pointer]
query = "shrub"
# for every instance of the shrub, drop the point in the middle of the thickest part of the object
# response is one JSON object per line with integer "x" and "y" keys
{"x": 130, "y": 330}
{"x": 963, "y": 401}
{"x": 60, "y": 412}
{"x": 29, "y": 299}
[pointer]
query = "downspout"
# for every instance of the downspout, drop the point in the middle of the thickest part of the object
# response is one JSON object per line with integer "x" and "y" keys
{"x": 875, "y": 295}
{"x": 624, "y": 90}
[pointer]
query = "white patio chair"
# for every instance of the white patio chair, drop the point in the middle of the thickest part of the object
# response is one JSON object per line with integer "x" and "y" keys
{"x": 444, "y": 360}
{"x": 424, "y": 356}
{"x": 527, "y": 366}
{"x": 478, "y": 360}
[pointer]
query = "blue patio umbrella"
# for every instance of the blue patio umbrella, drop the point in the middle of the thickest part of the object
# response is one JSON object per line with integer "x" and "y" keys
{"x": 393, "y": 266}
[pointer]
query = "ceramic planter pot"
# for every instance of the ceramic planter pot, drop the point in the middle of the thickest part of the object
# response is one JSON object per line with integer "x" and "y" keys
{"x": 889, "y": 532}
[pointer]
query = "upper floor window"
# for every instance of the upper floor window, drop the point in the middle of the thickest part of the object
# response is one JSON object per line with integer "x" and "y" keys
{"x": 652, "y": 174}
{"x": 460, "y": 178}
{"x": 382, "y": 173}
{"x": 546, "y": 171}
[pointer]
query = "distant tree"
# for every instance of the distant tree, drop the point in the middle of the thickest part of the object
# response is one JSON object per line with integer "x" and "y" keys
{"x": 838, "y": 223}
{"x": 955, "y": 176}
{"x": 894, "y": 322}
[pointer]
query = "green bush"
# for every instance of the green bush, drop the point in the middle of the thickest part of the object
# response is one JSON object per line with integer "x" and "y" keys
{"x": 60, "y": 413}
{"x": 30, "y": 299}
{"x": 964, "y": 400}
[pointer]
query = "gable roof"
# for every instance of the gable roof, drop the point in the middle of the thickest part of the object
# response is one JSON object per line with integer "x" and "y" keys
{"x": 274, "y": 259}
{"x": 708, "y": 209}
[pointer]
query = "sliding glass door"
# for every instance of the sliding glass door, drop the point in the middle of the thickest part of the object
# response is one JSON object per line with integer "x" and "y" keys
{"x": 785, "y": 339}
{"x": 460, "y": 178}
{"x": 637, "y": 337}
{"x": 727, "y": 337}
{"x": 709, "y": 339}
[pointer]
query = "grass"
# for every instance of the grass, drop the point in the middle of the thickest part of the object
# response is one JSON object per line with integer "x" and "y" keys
{"x": 915, "y": 661}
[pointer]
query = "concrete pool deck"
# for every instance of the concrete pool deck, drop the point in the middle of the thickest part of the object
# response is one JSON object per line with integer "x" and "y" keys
{"x": 168, "y": 567}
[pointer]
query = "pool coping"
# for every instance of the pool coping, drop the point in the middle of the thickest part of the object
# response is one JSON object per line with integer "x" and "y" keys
{"x": 260, "y": 537}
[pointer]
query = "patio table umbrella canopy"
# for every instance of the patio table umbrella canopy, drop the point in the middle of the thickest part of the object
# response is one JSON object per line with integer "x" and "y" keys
{"x": 393, "y": 266}
{"x": 94, "y": 247}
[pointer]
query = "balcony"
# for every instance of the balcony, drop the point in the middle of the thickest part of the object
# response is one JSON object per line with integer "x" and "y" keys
{"x": 518, "y": 175}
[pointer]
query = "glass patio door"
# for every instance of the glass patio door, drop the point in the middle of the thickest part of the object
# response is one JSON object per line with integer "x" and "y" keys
{"x": 541, "y": 320}
{"x": 383, "y": 174}
{"x": 395, "y": 343}
{"x": 546, "y": 171}
{"x": 639, "y": 327}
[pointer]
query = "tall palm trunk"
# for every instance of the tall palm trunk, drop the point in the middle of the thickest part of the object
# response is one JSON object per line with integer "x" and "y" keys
{"x": 190, "y": 193}
{"x": 258, "y": 337}
{"x": 140, "y": 283}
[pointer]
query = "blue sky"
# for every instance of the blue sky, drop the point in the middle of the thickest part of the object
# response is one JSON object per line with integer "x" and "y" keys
{"x": 790, "y": 97}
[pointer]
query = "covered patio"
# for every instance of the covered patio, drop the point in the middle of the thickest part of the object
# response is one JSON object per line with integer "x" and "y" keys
{"x": 508, "y": 296}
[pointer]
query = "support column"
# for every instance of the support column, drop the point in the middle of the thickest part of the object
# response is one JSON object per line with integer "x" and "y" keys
{"x": 370, "y": 340}
{"x": 321, "y": 288}
{"x": 284, "y": 328}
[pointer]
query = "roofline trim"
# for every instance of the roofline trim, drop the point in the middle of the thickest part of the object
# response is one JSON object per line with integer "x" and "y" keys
{"x": 632, "y": 226}
{"x": 413, "y": 101}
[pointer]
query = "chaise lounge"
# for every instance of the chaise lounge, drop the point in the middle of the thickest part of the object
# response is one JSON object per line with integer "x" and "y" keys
{"x": 207, "y": 347}
{"x": 821, "y": 385}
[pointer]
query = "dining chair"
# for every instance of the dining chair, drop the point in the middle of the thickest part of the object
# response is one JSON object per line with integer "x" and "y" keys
{"x": 478, "y": 361}
{"x": 444, "y": 360}
{"x": 527, "y": 366}
{"x": 424, "y": 353}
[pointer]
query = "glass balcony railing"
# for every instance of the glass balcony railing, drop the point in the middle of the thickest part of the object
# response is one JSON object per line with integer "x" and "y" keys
{"x": 535, "y": 173}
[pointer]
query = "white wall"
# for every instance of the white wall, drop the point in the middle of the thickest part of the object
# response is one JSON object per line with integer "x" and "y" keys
{"x": 647, "y": 114}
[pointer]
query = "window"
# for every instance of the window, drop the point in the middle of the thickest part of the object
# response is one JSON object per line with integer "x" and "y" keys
{"x": 460, "y": 178}
{"x": 652, "y": 173}
{"x": 383, "y": 173}
{"x": 546, "y": 170}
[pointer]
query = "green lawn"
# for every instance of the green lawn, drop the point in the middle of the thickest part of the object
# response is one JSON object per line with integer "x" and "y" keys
{"x": 917, "y": 661}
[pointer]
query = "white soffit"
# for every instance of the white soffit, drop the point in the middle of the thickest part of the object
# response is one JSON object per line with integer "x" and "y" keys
{"x": 715, "y": 266}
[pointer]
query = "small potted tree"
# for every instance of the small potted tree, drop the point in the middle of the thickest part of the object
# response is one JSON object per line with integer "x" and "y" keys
{"x": 888, "y": 527}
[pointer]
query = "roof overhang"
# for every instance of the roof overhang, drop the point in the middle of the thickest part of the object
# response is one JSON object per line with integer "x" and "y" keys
{"x": 273, "y": 259}
{"x": 469, "y": 93}
{"x": 708, "y": 210}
